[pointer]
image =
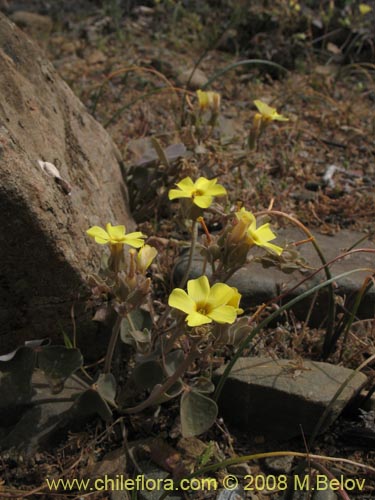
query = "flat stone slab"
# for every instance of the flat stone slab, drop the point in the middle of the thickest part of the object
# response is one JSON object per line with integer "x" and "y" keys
{"x": 279, "y": 400}
{"x": 258, "y": 284}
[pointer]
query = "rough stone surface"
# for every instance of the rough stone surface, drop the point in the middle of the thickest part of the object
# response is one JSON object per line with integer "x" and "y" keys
{"x": 276, "y": 399}
{"x": 36, "y": 26}
{"x": 45, "y": 254}
{"x": 196, "y": 81}
{"x": 33, "y": 431}
{"x": 112, "y": 464}
{"x": 257, "y": 284}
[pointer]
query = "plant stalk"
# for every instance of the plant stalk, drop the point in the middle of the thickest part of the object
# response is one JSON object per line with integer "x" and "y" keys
{"x": 112, "y": 345}
{"x": 194, "y": 235}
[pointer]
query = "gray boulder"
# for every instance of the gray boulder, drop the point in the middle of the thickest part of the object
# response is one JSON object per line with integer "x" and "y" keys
{"x": 45, "y": 254}
{"x": 279, "y": 399}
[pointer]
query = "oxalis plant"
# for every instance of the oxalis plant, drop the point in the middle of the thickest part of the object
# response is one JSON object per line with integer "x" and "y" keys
{"x": 201, "y": 322}
{"x": 176, "y": 352}
{"x": 204, "y": 314}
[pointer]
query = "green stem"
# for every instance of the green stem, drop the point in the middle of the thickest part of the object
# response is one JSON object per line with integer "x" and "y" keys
{"x": 162, "y": 389}
{"x": 194, "y": 231}
{"x": 259, "y": 456}
{"x": 244, "y": 62}
{"x": 112, "y": 345}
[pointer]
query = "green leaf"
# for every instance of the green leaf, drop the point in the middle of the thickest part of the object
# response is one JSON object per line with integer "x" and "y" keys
{"x": 140, "y": 320}
{"x": 15, "y": 378}
{"x": 89, "y": 403}
{"x": 106, "y": 387}
{"x": 173, "y": 360}
{"x": 172, "y": 392}
{"x": 58, "y": 363}
{"x": 207, "y": 454}
{"x": 232, "y": 334}
{"x": 197, "y": 412}
{"x": 148, "y": 374}
{"x": 203, "y": 385}
{"x": 67, "y": 342}
{"x": 159, "y": 151}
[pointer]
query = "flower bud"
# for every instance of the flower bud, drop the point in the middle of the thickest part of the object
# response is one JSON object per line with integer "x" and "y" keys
{"x": 145, "y": 257}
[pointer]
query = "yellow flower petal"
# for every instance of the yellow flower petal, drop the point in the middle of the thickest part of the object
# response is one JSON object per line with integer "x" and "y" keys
{"x": 133, "y": 242}
{"x": 364, "y": 9}
{"x": 197, "y": 319}
{"x": 262, "y": 236}
{"x": 220, "y": 294}
{"x": 263, "y": 108}
{"x": 217, "y": 190}
{"x": 202, "y": 99}
{"x": 245, "y": 216}
{"x": 186, "y": 184}
{"x": 201, "y": 191}
{"x": 235, "y": 301}
{"x": 203, "y": 304}
{"x": 199, "y": 289}
{"x": 99, "y": 234}
{"x": 179, "y": 299}
{"x": 177, "y": 193}
{"x": 223, "y": 314}
{"x": 209, "y": 100}
{"x": 145, "y": 257}
{"x": 134, "y": 239}
{"x": 203, "y": 201}
{"x": 202, "y": 183}
{"x": 116, "y": 233}
{"x": 264, "y": 233}
{"x": 275, "y": 248}
{"x": 210, "y": 187}
{"x": 268, "y": 112}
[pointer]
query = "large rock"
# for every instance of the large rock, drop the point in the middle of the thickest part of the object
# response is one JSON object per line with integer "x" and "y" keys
{"x": 45, "y": 254}
{"x": 36, "y": 26}
{"x": 279, "y": 398}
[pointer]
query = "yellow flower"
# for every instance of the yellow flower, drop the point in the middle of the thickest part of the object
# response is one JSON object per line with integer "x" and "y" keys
{"x": 203, "y": 304}
{"x": 364, "y": 9}
{"x": 261, "y": 236}
{"x": 295, "y": 5}
{"x": 269, "y": 114}
{"x": 201, "y": 192}
{"x": 145, "y": 257}
{"x": 235, "y": 300}
{"x": 116, "y": 236}
{"x": 209, "y": 100}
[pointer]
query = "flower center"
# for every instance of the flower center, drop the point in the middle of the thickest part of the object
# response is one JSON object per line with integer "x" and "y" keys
{"x": 203, "y": 308}
{"x": 197, "y": 192}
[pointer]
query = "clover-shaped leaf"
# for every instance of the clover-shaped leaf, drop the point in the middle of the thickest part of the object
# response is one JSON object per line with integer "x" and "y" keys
{"x": 58, "y": 363}
{"x": 203, "y": 385}
{"x": 173, "y": 360}
{"x": 87, "y": 404}
{"x": 106, "y": 387}
{"x": 197, "y": 413}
